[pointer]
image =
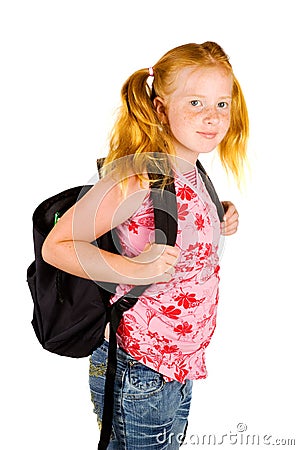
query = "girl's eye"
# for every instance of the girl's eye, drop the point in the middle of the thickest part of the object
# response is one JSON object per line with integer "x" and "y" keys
{"x": 222, "y": 105}
{"x": 196, "y": 103}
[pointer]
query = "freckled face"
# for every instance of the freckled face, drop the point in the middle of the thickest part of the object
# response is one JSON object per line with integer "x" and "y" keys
{"x": 198, "y": 111}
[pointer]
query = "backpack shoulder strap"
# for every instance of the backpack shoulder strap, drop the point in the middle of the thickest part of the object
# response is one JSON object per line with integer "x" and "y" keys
{"x": 211, "y": 190}
{"x": 165, "y": 213}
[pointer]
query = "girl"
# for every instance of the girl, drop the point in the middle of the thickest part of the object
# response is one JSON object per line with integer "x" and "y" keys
{"x": 188, "y": 103}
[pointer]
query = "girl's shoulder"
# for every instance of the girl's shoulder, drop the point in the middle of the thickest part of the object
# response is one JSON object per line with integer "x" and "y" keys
{"x": 118, "y": 199}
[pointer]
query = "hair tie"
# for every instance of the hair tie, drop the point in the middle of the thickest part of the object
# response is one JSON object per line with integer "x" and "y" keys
{"x": 151, "y": 71}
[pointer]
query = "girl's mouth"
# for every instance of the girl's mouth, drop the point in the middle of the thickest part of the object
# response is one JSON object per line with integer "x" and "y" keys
{"x": 207, "y": 135}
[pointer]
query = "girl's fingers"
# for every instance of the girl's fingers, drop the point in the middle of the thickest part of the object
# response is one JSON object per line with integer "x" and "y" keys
{"x": 231, "y": 213}
{"x": 230, "y": 225}
{"x": 227, "y": 230}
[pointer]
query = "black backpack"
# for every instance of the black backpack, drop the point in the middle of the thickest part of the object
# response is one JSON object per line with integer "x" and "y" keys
{"x": 70, "y": 313}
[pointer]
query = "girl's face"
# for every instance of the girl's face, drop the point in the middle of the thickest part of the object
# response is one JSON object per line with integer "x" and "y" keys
{"x": 198, "y": 110}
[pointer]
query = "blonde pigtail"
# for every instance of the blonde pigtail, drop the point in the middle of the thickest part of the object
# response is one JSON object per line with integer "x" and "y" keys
{"x": 232, "y": 150}
{"x": 138, "y": 131}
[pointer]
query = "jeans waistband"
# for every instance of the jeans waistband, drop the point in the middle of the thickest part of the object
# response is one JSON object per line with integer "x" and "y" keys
{"x": 121, "y": 354}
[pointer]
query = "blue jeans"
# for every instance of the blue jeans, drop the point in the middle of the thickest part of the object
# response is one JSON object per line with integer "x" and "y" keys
{"x": 149, "y": 413}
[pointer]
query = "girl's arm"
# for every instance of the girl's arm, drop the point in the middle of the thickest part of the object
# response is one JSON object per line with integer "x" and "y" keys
{"x": 68, "y": 245}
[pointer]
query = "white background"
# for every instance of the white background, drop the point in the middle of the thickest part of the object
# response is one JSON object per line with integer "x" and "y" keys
{"x": 62, "y": 67}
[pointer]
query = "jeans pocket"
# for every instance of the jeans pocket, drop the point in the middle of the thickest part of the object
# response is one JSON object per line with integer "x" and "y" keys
{"x": 141, "y": 381}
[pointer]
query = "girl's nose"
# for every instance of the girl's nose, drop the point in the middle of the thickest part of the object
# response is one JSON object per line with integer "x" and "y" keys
{"x": 211, "y": 116}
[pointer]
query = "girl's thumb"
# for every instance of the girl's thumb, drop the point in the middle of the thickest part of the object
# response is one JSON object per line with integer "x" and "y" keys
{"x": 147, "y": 247}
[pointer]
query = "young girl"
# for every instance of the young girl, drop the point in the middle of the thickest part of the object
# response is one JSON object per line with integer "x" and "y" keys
{"x": 188, "y": 103}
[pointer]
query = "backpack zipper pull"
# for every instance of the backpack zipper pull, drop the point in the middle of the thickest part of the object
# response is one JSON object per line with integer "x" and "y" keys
{"x": 56, "y": 217}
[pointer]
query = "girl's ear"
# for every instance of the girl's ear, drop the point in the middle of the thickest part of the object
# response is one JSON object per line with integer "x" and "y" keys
{"x": 159, "y": 105}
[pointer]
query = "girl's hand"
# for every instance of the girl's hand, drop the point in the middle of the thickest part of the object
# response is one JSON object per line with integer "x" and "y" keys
{"x": 231, "y": 219}
{"x": 155, "y": 264}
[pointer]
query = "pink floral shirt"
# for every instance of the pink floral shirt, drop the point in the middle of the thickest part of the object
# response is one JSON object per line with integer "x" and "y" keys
{"x": 172, "y": 323}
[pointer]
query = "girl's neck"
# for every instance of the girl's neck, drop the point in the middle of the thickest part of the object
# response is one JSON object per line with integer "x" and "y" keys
{"x": 185, "y": 165}
{"x": 186, "y": 157}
